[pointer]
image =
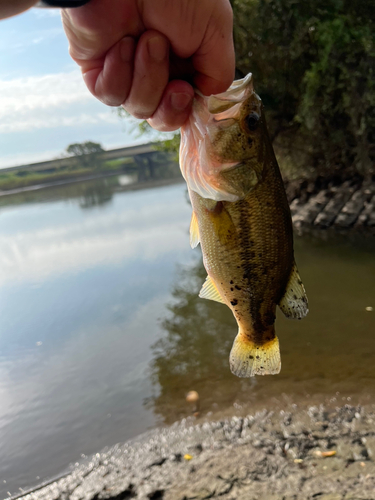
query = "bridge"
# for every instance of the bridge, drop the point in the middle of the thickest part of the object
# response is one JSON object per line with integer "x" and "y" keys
{"x": 110, "y": 154}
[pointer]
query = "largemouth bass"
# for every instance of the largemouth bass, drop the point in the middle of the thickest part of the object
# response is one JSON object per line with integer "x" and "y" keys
{"x": 242, "y": 220}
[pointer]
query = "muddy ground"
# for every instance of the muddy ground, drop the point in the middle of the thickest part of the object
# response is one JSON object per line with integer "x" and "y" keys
{"x": 313, "y": 453}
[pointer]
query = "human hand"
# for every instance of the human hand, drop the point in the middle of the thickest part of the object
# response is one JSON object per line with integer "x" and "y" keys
{"x": 11, "y": 8}
{"x": 140, "y": 53}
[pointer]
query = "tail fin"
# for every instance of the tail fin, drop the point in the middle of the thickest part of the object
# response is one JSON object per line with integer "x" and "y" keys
{"x": 248, "y": 359}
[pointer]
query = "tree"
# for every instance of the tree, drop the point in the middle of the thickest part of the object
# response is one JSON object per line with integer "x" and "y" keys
{"x": 88, "y": 153}
{"x": 84, "y": 148}
{"x": 313, "y": 66}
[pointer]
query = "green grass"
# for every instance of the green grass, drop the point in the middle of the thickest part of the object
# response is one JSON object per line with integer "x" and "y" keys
{"x": 118, "y": 163}
{"x": 25, "y": 178}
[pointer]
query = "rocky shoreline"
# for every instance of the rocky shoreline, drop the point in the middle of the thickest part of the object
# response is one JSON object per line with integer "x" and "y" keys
{"x": 291, "y": 454}
{"x": 325, "y": 203}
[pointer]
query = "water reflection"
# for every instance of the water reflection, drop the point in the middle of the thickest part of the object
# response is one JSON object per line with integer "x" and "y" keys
{"x": 98, "y": 193}
{"x": 76, "y": 192}
{"x": 81, "y": 292}
{"x": 194, "y": 352}
{"x": 332, "y": 350}
{"x": 100, "y": 312}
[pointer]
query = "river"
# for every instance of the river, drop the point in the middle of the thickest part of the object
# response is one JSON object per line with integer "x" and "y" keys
{"x": 102, "y": 333}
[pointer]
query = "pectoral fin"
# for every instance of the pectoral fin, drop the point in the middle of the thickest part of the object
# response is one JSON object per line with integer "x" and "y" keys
{"x": 294, "y": 303}
{"x": 222, "y": 223}
{"x": 210, "y": 292}
{"x": 194, "y": 231}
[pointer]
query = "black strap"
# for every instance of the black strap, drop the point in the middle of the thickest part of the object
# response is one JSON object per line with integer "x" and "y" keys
{"x": 63, "y": 4}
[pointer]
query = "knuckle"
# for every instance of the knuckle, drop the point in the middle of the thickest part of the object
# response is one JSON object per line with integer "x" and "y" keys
{"x": 137, "y": 113}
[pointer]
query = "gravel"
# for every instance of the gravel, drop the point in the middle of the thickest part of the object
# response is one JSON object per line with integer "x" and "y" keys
{"x": 293, "y": 454}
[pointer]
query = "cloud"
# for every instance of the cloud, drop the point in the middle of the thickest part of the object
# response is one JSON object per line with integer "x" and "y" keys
{"x": 52, "y": 121}
{"x": 50, "y": 101}
{"x": 21, "y": 95}
{"x": 102, "y": 239}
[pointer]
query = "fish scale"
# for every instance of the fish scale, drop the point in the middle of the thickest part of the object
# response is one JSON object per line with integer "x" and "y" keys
{"x": 242, "y": 222}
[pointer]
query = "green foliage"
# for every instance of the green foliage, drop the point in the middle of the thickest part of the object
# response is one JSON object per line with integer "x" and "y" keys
{"x": 313, "y": 66}
{"x": 17, "y": 180}
{"x": 339, "y": 97}
{"x": 87, "y": 153}
{"x": 84, "y": 148}
{"x": 171, "y": 145}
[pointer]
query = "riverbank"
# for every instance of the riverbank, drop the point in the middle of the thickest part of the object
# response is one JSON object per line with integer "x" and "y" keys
{"x": 60, "y": 182}
{"x": 319, "y": 204}
{"x": 316, "y": 452}
{"x": 323, "y": 204}
{"x": 132, "y": 186}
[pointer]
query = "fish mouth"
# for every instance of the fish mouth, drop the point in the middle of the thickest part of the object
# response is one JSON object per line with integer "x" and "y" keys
{"x": 237, "y": 93}
{"x": 221, "y": 111}
{"x": 200, "y": 159}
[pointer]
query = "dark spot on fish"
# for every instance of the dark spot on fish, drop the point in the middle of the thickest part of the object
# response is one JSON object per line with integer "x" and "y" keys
{"x": 237, "y": 287}
{"x": 231, "y": 282}
{"x": 295, "y": 297}
{"x": 251, "y": 357}
{"x": 231, "y": 289}
{"x": 234, "y": 302}
{"x": 249, "y": 141}
{"x": 257, "y": 357}
{"x": 260, "y": 254}
{"x": 262, "y": 368}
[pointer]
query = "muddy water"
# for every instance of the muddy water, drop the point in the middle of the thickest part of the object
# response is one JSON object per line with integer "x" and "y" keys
{"x": 330, "y": 354}
{"x": 102, "y": 332}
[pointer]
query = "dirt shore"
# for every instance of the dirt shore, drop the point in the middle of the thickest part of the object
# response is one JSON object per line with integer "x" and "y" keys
{"x": 313, "y": 453}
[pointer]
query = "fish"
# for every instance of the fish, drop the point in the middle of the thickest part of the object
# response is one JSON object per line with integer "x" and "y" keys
{"x": 241, "y": 219}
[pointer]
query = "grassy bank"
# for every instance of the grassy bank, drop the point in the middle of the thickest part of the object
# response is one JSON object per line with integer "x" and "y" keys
{"x": 26, "y": 177}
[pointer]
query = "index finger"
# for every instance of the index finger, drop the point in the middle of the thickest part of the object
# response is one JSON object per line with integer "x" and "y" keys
{"x": 214, "y": 61}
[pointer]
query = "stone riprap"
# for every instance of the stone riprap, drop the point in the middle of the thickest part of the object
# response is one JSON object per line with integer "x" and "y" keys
{"x": 293, "y": 454}
{"x": 347, "y": 205}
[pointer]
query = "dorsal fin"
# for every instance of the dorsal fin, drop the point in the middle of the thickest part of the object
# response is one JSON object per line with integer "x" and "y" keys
{"x": 194, "y": 231}
{"x": 210, "y": 292}
{"x": 294, "y": 302}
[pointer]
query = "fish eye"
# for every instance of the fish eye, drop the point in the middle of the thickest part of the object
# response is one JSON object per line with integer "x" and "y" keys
{"x": 252, "y": 120}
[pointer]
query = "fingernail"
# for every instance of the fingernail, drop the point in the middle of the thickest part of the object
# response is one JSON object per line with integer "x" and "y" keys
{"x": 157, "y": 48}
{"x": 127, "y": 47}
{"x": 181, "y": 101}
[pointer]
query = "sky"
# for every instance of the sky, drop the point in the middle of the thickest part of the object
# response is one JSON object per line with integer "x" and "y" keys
{"x": 44, "y": 104}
